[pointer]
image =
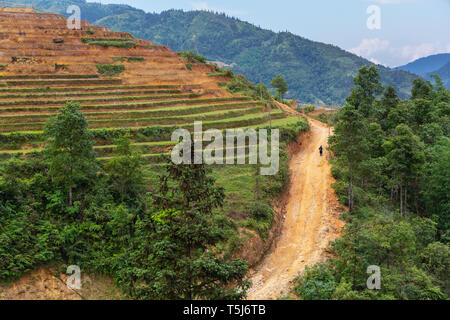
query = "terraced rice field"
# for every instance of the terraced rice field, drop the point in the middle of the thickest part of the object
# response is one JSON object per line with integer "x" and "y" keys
{"x": 148, "y": 112}
{"x": 122, "y": 84}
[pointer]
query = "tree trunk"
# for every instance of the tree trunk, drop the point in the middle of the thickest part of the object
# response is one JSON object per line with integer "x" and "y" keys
{"x": 70, "y": 196}
{"x": 406, "y": 200}
{"x": 350, "y": 196}
{"x": 401, "y": 199}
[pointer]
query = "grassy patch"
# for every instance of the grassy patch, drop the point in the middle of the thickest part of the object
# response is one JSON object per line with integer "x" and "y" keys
{"x": 129, "y": 59}
{"x": 109, "y": 70}
{"x": 110, "y": 42}
{"x": 63, "y": 82}
{"x": 92, "y": 88}
{"x": 60, "y": 66}
{"x": 85, "y": 94}
{"x": 49, "y": 76}
{"x": 130, "y": 105}
{"x": 191, "y": 56}
{"x": 106, "y": 99}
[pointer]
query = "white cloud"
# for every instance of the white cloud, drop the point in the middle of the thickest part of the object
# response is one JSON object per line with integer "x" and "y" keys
{"x": 368, "y": 47}
{"x": 377, "y": 50}
{"x": 412, "y": 52}
{"x": 206, "y": 7}
{"x": 373, "y": 60}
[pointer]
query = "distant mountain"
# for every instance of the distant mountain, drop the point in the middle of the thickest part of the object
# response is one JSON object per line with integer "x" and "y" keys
{"x": 443, "y": 73}
{"x": 426, "y": 65}
{"x": 315, "y": 72}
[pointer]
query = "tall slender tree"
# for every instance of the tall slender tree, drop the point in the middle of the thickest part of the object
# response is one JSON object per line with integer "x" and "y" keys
{"x": 367, "y": 87}
{"x": 186, "y": 263}
{"x": 350, "y": 145}
{"x": 406, "y": 157}
{"x": 280, "y": 84}
{"x": 70, "y": 149}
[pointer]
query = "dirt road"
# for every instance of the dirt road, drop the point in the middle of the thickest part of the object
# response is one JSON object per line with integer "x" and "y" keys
{"x": 312, "y": 220}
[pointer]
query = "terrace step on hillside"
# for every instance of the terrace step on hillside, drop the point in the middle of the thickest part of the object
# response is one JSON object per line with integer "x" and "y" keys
{"x": 121, "y": 83}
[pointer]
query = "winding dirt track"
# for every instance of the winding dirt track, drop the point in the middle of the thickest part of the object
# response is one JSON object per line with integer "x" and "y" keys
{"x": 311, "y": 221}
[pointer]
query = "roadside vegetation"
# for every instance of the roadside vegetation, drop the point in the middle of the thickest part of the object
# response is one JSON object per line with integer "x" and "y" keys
{"x": 90, "y": 184}
{"x": 392, "y": 170}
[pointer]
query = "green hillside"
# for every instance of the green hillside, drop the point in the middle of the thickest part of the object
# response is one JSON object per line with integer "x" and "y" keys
{"x": 316, "y": 72}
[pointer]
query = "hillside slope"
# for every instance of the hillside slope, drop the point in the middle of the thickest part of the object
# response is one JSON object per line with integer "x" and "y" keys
{"x": 427, "y": 64}
{"x": 122, "y": 83}
{"x": 443, "y": 73}
{"x": 438, "y": 64}
{"x": 124, "y": 87}
{"x": 316, "y": 72}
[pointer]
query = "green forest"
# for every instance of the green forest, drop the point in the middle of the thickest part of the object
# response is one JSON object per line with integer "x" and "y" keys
{"x": 392, "y": 170}
{"x": 316, "y": 72}
{"x": 160, "y": 231}
{"x": 86, "y": 177}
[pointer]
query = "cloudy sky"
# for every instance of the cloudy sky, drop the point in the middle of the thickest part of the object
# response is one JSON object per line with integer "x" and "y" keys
{"x": 408, "y": 29}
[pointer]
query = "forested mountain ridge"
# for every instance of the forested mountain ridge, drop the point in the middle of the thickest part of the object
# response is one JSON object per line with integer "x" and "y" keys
{"x": 315, "y": 72}
{"x": 426, "y": 64}
{"x": 438, "y": 64}
{"x": 443, "y": 73}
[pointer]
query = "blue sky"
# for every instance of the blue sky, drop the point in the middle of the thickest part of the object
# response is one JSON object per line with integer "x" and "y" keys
{"x": 409, "y": 29}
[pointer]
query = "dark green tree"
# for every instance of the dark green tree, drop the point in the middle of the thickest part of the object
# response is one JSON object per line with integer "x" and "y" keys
{"x": 390, "y": 101}
{"x": 405, "y": 153}
{"x": 184, "y": 260}
{"x": 125, "y": 171}
{"x": 436, "y": 186}
{"x": 350, "y": 145}
{"x": 424, "y": 111}
{"x": 422, "y": 89}
{"x": 441, "y": 93}
{"x": 367, "y": 87}
{"x": 280, "y": 84}
{"x": 400, "y": 115}
{"x": 70, "y": 149}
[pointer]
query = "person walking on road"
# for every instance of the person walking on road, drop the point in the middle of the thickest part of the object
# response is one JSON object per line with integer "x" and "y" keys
{"x": 321, "y": 150}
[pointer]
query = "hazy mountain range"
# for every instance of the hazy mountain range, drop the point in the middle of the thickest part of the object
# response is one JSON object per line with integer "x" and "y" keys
{"x": 436, "y": 64}
{"x": 315, "y": 72}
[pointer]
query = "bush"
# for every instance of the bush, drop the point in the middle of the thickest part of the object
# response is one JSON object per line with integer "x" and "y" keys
{"x": 129, "y": 59}
{"x": 308, "y": 109}
{"x": 261, "y": 211}
{"x": 119, "y": 43}
{"x": 135, "y": 59}
{"x": 191, "y": 56}
{"x": 337, "y": 172}
{"x": 59, "y": 66}
{"x": 109, "y": 70}
{"x": 317, "y": 283}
